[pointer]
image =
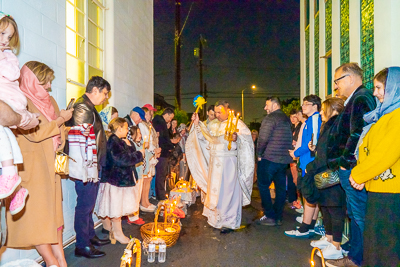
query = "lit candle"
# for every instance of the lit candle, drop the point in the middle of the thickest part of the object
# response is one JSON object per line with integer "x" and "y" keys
{"x": 129, "y": 262}
{"x": 237, "y": 120}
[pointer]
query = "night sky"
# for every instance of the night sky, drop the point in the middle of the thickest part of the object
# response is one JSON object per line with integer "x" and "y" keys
{"x": 249, "y": 43}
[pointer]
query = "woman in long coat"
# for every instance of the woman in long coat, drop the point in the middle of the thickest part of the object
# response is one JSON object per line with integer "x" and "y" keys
{"x": 40, "y": 223}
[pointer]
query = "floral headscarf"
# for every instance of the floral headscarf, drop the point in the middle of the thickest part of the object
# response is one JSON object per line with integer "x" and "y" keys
{"x": 105, "y": 116}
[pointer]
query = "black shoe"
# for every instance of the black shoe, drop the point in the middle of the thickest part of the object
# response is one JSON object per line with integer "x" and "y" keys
{"x": 264, "y": 220}
{"x": 89, "y": 252}
{"x": 99, "y": 242}
{"x": 225, "y": 230}
{"x": 278, "y": 222}
{"x": 104, "y": 231}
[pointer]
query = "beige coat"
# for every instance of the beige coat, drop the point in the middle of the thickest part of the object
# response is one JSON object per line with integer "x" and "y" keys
{"x": 37, "y": 223}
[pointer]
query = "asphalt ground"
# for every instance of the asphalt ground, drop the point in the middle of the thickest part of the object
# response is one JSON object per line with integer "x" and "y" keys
{"x": 201, "y": 245}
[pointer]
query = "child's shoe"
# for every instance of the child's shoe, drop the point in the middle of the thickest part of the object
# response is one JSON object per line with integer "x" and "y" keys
{"x": 8, "y": 184}
{"x": 18, "y": 202}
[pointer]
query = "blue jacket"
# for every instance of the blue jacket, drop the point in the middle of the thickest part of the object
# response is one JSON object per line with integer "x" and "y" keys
{"x": 313, "y": 125}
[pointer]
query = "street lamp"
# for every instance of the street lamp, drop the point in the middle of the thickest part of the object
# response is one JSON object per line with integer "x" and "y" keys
{"x": 252, "y": 87}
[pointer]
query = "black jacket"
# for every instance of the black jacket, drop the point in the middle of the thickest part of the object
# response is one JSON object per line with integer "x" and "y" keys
{"x": 121, "y": 159}
{"x": 164, "y": 141}
{"x": 348, "y": 128}
{"x": 275, "y": 138}
{"x": 85, "y": 112}
{"x": 331, "y": 196}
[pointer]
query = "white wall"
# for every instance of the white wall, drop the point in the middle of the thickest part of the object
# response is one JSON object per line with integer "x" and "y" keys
{"x": 133, "y": 54}
{"x": 128, "y": 65}
{"x": 386, "y": 34}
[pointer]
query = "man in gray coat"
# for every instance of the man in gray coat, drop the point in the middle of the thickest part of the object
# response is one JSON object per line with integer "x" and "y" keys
{"x": 274, "y": 142}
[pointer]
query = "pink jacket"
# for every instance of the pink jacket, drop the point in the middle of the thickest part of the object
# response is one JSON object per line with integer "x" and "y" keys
{"x": 9, "y": 86}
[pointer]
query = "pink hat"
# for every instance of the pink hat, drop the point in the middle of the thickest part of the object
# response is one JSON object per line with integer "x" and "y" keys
{"x": 150, "y": 107}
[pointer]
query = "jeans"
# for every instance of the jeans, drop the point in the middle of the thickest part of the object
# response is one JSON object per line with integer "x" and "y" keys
{"x": 356, "y": 210}
{"x": 268, "y": 172}
{"x": 83, "y": 224}
{"x": 161, "y": 175}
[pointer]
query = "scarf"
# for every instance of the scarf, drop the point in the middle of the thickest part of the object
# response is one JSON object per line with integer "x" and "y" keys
{"x": 32, "y": 89}
{"x": 105, "y": 116}
{"x": 83, "y": 150}
{"x": 390, "y": 103}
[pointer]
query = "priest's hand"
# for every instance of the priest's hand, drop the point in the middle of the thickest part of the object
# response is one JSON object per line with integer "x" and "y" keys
{"x": 234, "y": 137}
{"x": 195, "y": 118}
{"x": 355, "y": 185}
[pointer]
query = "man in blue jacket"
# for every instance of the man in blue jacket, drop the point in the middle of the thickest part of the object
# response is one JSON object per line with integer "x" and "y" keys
{"x": 311, "y": 107}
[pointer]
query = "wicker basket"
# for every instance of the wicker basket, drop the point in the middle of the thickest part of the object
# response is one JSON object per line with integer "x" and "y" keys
{"x": 147, "y": 231}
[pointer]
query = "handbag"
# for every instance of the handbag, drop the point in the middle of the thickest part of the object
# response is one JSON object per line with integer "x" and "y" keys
{"x": 62, "y": 163}
{"x": 326, "y": 179}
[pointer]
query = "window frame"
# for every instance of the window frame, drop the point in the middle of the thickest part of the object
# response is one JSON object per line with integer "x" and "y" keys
{"x": 85, "y": 40}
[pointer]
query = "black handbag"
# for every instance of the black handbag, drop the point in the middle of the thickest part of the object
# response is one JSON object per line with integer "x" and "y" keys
{"x": 326, "y": 179}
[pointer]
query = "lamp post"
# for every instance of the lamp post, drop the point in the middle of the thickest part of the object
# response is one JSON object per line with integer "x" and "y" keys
{"x": 252, "y": 87}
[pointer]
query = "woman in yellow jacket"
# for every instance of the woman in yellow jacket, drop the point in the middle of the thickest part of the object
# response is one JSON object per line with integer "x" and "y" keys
{"x": 378, "y": 169}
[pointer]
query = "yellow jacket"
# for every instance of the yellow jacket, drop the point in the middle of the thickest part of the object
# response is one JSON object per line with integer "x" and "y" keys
{"x": 378, "y": 165}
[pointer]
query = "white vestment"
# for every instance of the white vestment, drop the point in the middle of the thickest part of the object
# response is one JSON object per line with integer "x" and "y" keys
{"x": 225, "y": 176}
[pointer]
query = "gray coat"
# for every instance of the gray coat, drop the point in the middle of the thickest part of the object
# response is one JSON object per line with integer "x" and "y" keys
{"x": 275, "y": 138}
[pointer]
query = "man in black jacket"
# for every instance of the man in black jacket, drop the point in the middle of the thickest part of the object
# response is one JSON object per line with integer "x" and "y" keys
{"x": 344, "y": 137}
{"x": 97, "y": 91}
{"x": 274, "y": 142}
{"x": 164, "y": 141}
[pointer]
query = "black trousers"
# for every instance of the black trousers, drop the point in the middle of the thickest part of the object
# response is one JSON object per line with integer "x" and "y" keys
{"x": 291, "y": 187}
{"x": 161, "y": 175}
{"x": 333, "y": 218}
{"x": 382, "y": 230}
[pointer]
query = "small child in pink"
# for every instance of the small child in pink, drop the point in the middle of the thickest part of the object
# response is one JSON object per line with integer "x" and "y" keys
{"x": 10, "y": 153}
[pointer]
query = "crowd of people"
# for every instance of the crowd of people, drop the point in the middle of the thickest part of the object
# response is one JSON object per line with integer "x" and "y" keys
{"x": 350, "y": 141}
{"x": 349, "y": 138}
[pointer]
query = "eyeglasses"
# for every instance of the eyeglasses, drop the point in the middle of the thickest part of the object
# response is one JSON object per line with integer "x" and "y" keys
{"x": 307, "y": 104}
{"x": 338, "y": 79}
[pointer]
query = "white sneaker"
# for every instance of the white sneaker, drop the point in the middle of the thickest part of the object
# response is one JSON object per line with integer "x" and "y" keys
{"x": 299, "y": 219}
{"x": 321, "y": 243}
{"x": 331, "y": 253}
{"x": 150, "y": 208}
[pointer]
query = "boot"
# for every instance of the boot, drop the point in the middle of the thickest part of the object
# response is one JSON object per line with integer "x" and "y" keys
{"x": 116, "y": 233}
{"x": 106, "y": 225}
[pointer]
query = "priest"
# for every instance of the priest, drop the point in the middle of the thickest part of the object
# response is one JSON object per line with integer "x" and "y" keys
{"x": 224, "y": 175}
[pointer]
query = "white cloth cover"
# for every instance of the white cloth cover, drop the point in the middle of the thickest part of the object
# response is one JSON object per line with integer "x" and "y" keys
{"x": 225, "y": 176}
{"x": 9, "y": 146}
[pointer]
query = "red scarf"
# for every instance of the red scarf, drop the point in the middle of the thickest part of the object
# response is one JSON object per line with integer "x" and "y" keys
{"x": 32, "y": 89}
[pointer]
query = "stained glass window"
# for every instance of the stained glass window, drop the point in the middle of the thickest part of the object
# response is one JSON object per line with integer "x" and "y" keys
{"x": 367, "y": 41}
{"x": 308, "y": 60}
{"x": 328, "y": 25}
{"x": 344, "y": 32}
{"x": 316, "y": 52}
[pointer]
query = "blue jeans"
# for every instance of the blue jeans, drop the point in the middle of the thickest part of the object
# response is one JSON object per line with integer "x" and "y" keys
{"x": 83, "y": 224}
{"x": 268, "y": 172}
{"x": 356, "y": 210}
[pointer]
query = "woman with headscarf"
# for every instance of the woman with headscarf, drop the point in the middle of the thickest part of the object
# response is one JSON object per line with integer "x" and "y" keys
{"x": 152, "y": 153}
{"x": 107, "y": 114}
{"x": 378, "y": 169}
{"x": 41, "y": 223}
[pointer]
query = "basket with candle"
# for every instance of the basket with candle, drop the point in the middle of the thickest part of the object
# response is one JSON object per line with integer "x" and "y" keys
{"x": 132, "y": 248}
{"x": 168, "y": 231}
